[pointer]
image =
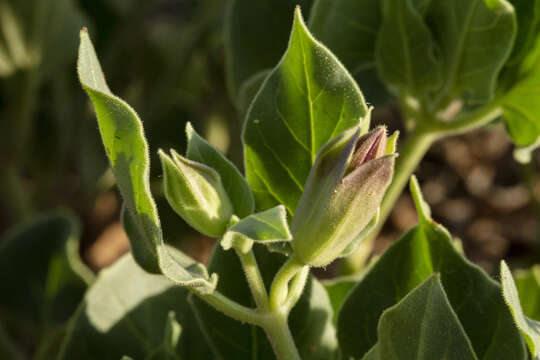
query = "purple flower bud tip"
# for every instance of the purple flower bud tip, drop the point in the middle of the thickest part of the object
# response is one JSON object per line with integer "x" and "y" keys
{"x": 370, "y": 146}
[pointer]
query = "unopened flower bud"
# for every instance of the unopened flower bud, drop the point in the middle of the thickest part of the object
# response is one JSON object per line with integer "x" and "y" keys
{"x": 343, "y": 191}
{"x": 196, "y": 193}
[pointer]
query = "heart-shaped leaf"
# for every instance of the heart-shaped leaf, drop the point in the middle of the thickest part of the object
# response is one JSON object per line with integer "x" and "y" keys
{"x": 424, "y": 250}
{"x": 266, "y": 227}
{"x": 529, "y": 327}
{"x": 127, "y": 149}
{"x": 128, "y": 312}
{"x": 307, "y": 99}
{"x": 422, "y": 325}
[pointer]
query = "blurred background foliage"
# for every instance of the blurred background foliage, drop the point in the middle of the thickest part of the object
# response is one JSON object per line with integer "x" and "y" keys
{"x": 167, "y": 59}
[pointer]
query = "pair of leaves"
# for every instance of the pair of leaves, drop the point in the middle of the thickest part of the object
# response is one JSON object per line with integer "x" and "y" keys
{"x": 127, "y": 149}
{"x": 423, "y": 251}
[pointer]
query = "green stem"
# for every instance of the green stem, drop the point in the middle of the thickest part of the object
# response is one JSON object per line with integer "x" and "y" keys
{"x": 232, "y": 309}
{"x": 280, "y": 285}
{"x": 254, "y": 278}
{"x": 279, "y": 334}
{"x": 297, "y": 288}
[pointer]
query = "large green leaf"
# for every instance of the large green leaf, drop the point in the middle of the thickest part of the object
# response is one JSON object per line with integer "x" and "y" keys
{"x": 529, "y": 327}
{"x": 422, "y": 326}
{"x": 198, "y": 149}
{"x": 424, "y": 250}
{"x": 127, "y": 312}
{"x": 305, "y": 101}
{"x": 528, "y": 285}
{"x": 310, "y": 320}
{"x": 256, "y": 35}
{"x": 475, "y": 39}
{"x": 349, "y": 28}
{"x": 42, "y": 279}
{"x": 405, "y": 49}
{"x": 127, "y": 149}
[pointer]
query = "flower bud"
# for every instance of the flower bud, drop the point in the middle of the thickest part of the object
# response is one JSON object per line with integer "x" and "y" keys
{"x": 343, "y": 192}
{"x": 196, "y": 193}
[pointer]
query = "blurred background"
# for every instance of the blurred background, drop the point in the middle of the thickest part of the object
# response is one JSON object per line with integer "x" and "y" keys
{"x": 166, "y": 58}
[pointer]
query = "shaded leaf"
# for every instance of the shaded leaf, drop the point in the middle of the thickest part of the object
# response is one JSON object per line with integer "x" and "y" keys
{"x": 198, "y": 149}
{"x": 422, "y": 325}
{"x": 424, "y": 250}
{"x": 305, "y": 101}
{"x": 256, "y": 34}
{"x": 529, "y": 327}
{"x": 126, "y": 312}
{"x": 310, "y": 320}
{"x": 269, "y": 226}
{"x": 127, "y": 150}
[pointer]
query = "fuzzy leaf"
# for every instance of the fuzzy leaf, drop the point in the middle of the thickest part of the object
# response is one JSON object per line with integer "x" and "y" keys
{"x": 127, "y": 312}
{"x": 306, "y": 100}
{"x": 529, "y": 327}
{"x": 422, "y": 326}
{"x": 198, "y": 149}
{"x": 269, "y": 226}
{"x": 424, "y": 250}
{"x": 127, "y": 150}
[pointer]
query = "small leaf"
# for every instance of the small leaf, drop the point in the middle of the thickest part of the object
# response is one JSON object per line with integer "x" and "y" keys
{"x": 529, "y": 327}
{"x": 127, "y": 150}
{"x": 306, "y": 100}
{"x": 310, "y": 320}
{"x": 422, "y": 326}
{"x": 234, "y": 183}
{"x": 256, "y": 36}
{"x": 405, "y": 49}
{"x": 127, "y": 312}
{"x": 475, "y": 39}
{"x": 424, "y": 250}
{"x": 528, "y": 285}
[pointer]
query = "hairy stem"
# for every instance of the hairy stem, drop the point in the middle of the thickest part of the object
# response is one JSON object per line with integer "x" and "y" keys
{"x": 254, "y": 279}
{"x": 279, "y": 334}
{"x": 232, "y": 308}
{"x": 297, "y": 288}
{"x": 280, "y": 285}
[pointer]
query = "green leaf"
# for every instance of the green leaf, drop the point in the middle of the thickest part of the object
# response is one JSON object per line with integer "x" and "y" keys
{"x": 422, "y": 326}
{"x": 198, "y": 149}
{"x": 41, "y": 274}
{"x": 528, "y": 285}
{"x": 256, "y": 34}
{"x": 310, "y": 320}
{"x": 269, "y": 226}
{"x": 127, "y": 150}
{"x": 337, "y": 290}
{"x": 305, "y": 101}
{"x": 405, "y": 49}
{"x": 529, "y": 327}
{"x": 528, "y": 19}
{"x": 249, "y": 89}
{"x": 127, "y": 312}
{"x": 475, "y": 38}
{"x": 349, "y": 28}
{"x": 424, "y": 250}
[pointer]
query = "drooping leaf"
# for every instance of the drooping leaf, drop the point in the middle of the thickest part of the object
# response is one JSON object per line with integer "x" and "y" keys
{"x": 422, "y": 325}
{"x": 256, "y": 34}
{"x": 198, "y": 149}
{"x": 471, "y": 57}
{"x": 306, "y": 100}
{"x": 424, "y": 250}
{"x": 42, "y": 278}
{"x": 126, "y": 312}
{"x": 405, "y": 49}
{"x": 127, "y": 150}
{"x": 268, "y": 226}
{"x": 528, "y": 285}
{"x": 310, "y": 320}
{"x": 529, "y": 327}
